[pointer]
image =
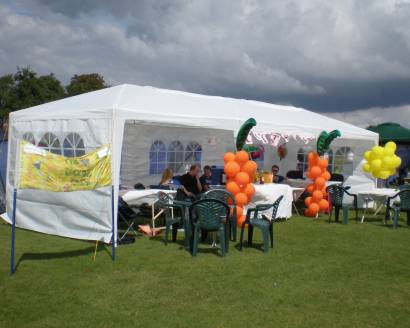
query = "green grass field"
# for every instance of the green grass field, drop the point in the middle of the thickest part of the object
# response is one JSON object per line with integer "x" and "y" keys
{"x": 318, "y": 275}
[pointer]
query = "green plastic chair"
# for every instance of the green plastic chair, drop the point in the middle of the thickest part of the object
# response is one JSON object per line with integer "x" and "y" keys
{"x": 228, "y": 199}
{"x": 261, "y": 222}
{"x": 209, "y": 215}
{"x": 336, "y": 193}
{"x": 402, "y": 206}
{"x": 167, "y": 204}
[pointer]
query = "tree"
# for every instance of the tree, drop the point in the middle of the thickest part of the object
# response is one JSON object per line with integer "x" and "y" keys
{"x": 32, "y": 90}
{"x": 85, "y": 83}
{"x": 7, "y": 95}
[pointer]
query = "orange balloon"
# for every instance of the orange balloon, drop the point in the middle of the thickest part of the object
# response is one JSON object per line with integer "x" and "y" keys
{"x": 325, "y": 175}
{"x": 241, "y": 156}
{"x": 320, "y": 183}
{"x": 232, "y": 168}
{"x": 239, "y": 211}
{"x": 240, "y": 220}
{"x": 313, "y": 208}
{"x": 313, "y": 158}
{"x": 324, "y": 205}
{"x": 317, "y": 196}
{"x": 241, "y": 199}
{"x": 232, "y": 187}
{"x": 308, "y": 200}
{"x": 249, "y": 191}
{"x": 250, "y": 167}
{"x": 242, "y": 178}
{"x": 229, "y": 156}
{"x": 322, "y": 163}
{"x": 315, "y": 171}
{"x": 310, "y": 188}
{"x": 309, "y": 214}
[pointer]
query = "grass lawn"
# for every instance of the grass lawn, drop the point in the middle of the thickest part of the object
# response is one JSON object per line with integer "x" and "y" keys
{"x": 318, "y": 275}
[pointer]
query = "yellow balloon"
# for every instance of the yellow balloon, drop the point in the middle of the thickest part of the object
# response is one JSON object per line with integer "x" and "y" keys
{"x": 376, "y": 173}
{"x": 391, "y": 145}
{"x": 384, "y": 174}
{"x": 367, "y": 155}
{"x": 376, "y": 164}
{"x": 377, "y": 152}
{"x": 366, "y": 167}
{"x": 396, "y": 161}
{"x": 388, "y": 151}
{"x": 388, "y": 162}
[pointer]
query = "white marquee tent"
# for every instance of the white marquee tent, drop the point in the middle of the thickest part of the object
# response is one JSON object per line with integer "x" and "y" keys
{"x": 140, "y": 123}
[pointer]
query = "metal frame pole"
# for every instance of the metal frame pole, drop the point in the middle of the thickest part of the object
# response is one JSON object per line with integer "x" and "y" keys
{"x": 112, "y": 222}
{"x": 13, "y": 231}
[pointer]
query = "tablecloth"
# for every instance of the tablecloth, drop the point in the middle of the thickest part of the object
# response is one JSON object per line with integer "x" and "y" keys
{"x": 268, "y": 193}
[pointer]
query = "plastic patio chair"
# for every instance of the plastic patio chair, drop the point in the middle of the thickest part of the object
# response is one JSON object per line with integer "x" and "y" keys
{"x": 210, "y": 215}
{"x": 336, "y": 194}
{"x": 228, "y": 199}
{"x": 402, "y": 206}
{"x": 259, "y": 220}
{"x": 167, "y": 204}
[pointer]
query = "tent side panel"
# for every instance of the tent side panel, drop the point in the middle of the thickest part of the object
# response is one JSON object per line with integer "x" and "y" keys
{"x": 79, "y": 214}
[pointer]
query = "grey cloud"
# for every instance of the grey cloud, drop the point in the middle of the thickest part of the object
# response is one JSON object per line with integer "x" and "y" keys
{"x": 322, "y": 55}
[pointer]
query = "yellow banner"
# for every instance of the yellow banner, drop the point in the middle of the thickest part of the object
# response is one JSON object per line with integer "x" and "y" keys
{"x": 40, "y": 169}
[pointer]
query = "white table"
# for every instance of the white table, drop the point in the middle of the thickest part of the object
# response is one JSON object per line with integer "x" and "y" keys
{"x": 268, "y": 193}
{"x": 376, "y": 195}
{"x": 135, "y": 198}
{"x": 300, "y": 183}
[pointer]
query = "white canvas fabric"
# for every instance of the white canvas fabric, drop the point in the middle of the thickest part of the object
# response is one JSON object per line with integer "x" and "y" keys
{"x": 100, "y": 117}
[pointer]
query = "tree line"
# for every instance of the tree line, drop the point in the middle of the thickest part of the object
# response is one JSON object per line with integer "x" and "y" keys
{"x": 26, "y": 88}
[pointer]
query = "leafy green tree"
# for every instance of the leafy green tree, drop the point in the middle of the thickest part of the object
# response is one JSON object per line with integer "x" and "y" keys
{"x": 32, "y": 90}
{"x": 7, "y": 95}
{"x": 85, "y": 83}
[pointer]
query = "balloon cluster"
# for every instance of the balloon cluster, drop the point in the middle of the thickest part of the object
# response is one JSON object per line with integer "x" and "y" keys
{"x": 318, "y": 173}
{"x": 240, "y": 172}
{"x": 382, "y": 162}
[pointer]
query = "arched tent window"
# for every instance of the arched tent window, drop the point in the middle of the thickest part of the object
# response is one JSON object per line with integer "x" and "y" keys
{"x": 29, "y": 137}
{"x": 73, "y": 145}
{"x": 302, "y": 157}
{"x": 157, "y": 157}
{"x": 175, "y": 156}
{"x": 193, "y": 153}
{"x": 50, "y": 142}
{"x": 343, "y": 161}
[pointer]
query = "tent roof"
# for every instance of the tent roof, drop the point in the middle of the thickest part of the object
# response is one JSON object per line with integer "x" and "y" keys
{"x": 391, "y": 132}
{"x": 177, "y": 107}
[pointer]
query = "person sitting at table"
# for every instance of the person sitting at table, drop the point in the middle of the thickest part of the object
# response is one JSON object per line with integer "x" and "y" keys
{"x": 206, "y": 178}
{"x": 191, "y": 186}
{"x": 276, "y": 178}
{"x": 167, "y": 177}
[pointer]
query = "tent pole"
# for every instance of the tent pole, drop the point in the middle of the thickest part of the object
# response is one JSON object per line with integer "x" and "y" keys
{"x": 112, "y": 222}
{"x": 13, "y": 231}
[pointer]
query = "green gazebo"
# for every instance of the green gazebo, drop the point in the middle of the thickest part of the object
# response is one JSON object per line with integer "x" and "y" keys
{"x": 391, "y": 132}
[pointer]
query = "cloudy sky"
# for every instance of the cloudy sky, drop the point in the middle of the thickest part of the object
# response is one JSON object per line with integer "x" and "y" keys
{"x": 349, "y": 58}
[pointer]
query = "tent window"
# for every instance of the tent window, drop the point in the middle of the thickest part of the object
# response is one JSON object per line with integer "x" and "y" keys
{"x": 157, "y": 157}
{"x": 302, "y": 156}
{"x": 193, "y": 153}
{"x": 343, "y": 161}
{"x": 73, "y": 145}
{"x": 29, "y": 137}
{"x": 175, "y": 156}
{"x": 50, "y": 142}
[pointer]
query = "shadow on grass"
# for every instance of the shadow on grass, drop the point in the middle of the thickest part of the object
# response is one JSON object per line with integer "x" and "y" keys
{"x": 60, "y": 255}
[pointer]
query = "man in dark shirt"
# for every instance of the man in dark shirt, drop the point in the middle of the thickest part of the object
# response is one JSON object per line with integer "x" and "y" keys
{"x": 276, "y": 178}
{"x": 191, "y": 185}
{"x": 206, "y": 178}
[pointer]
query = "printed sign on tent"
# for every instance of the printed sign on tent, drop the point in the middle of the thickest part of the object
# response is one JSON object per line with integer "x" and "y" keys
{"x": 40, "y": 169}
